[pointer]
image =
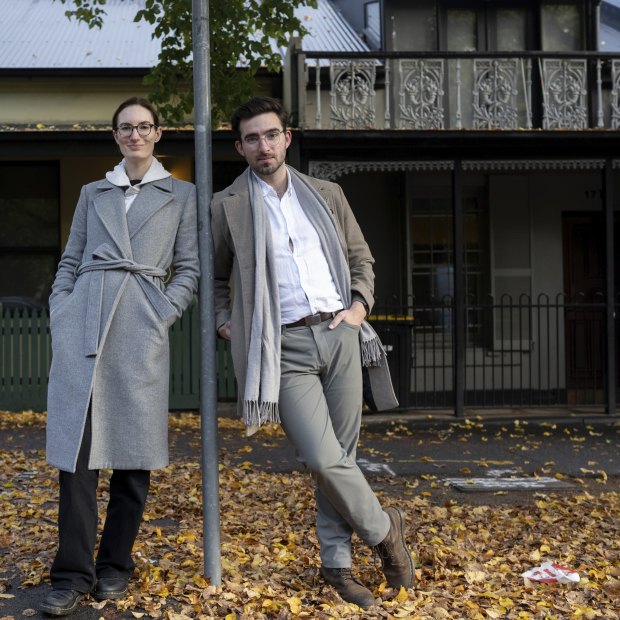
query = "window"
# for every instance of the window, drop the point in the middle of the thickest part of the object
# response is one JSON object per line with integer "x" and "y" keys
{"x": 29, "y": 229}
{"x": 432, "y": 251}
{"x": 561, "y": 27}
{"x": 462, "y": 30}
{"x": 411, "y": 26}
{"x": 510, "y": 31}
{"x": 372, "y": 24}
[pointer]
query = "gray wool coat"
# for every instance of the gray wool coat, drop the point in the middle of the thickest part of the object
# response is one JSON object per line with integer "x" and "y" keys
{"x": 110, "y": 309}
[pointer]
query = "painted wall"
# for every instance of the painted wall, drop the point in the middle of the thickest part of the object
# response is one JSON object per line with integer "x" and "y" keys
{"x": 64, "y": 101}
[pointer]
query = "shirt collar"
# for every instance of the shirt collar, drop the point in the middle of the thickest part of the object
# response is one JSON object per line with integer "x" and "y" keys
{"x": 267, "y": 189}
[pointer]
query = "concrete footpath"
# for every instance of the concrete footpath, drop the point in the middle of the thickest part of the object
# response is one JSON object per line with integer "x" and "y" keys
{"x": 413, "y": 444}
{"x": 433, "y": 446}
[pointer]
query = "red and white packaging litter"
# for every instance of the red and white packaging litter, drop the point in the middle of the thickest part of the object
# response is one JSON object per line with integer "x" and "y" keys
{"x": 549, "y": 572}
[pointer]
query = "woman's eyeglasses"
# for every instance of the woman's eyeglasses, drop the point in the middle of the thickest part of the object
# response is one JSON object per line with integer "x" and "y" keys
{"x": 126, "y": 129}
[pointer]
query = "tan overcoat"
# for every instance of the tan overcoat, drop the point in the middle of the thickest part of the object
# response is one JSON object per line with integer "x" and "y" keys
{"x": 233, "y": 238}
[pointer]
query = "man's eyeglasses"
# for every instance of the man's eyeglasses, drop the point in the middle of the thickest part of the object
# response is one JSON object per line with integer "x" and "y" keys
{"x": 272, "y": 138}
{"x": 126, "y": 129}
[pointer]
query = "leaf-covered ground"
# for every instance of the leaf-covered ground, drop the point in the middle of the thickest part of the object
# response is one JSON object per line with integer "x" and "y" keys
{"x": 468, "y": 556}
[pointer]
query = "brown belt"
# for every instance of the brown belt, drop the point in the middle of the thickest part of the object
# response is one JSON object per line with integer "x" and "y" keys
{"x": 313, "y": 319}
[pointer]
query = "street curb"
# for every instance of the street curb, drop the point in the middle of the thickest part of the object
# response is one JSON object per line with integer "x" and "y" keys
{"x": 439, "y": 419}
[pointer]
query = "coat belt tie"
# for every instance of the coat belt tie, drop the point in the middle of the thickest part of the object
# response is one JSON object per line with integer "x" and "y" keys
{"x": 106, "y": 259}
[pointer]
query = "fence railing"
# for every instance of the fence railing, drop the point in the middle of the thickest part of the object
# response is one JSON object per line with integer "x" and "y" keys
{"x": 519, "y": 352}
{"x": 524, "y": 352}
{"x": 454, "y": 90}
{"x": 25, "y": 357}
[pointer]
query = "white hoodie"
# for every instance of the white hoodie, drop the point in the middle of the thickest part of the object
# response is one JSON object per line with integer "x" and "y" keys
{"x": 119, "y": 177}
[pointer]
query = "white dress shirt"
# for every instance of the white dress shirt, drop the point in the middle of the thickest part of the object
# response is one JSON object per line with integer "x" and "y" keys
{"x": 304, "y": 280}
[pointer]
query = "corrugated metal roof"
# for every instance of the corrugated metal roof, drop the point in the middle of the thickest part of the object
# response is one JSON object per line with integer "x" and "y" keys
{"x": 609, "y": 35}
{"x": 609, "y": 39}
{"x": 36, "y": 34}
{"x": 329, "y": 30}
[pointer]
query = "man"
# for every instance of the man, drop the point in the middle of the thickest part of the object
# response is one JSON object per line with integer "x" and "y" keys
{"x": 293, "y": 284}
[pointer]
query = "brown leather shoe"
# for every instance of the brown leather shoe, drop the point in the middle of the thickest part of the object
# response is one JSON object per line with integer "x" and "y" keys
{"x": 349, "y": 588}
{"x": 395, "y": 557}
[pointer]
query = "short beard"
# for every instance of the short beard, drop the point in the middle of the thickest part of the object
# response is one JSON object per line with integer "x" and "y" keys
{"x": 269, "y": 170}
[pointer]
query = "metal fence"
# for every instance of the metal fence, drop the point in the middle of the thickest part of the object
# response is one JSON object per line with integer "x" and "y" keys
{"x": 524, "y": 352}
{"x": 25, "y": 356}
{"x": 519, "y": 352}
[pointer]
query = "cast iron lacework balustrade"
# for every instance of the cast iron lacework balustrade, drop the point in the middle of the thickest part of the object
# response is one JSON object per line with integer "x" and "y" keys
{"x": 615, "y": 88}
{"x": 352, "y": 94}
{"x": 450, "y": 90}
{"x": 564, "y": 93}
{"x": 495, "y": 93}
{"x": 421, "y": 94}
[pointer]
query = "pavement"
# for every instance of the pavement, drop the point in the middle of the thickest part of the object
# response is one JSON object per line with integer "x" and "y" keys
{"x": 413, "y": 444}
{"x": 431, "y": 452}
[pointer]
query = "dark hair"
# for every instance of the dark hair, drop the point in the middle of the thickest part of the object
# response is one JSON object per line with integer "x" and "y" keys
{"x": 144, "y": 103}
{"x": 256, "y": 106}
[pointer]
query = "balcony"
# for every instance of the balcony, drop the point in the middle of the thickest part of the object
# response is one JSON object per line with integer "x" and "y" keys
{"x": 453, "y": 90}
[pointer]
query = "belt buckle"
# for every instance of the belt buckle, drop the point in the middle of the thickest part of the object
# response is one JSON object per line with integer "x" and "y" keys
{"x": 314, "y": 319}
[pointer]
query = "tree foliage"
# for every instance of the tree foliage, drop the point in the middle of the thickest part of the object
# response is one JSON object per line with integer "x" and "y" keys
{"x": 242, "y": 38}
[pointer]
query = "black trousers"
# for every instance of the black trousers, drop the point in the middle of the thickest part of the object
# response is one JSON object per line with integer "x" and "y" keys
{"x": 73, "y": 567}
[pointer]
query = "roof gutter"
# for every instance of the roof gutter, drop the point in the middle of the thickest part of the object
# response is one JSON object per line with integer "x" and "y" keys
{"x": 75, "y": 72}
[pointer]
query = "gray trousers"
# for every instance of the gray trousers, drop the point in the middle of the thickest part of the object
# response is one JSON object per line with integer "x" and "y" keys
{"x": 321, "y": 412}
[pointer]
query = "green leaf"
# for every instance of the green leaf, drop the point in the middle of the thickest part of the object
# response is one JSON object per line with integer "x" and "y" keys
{"x": 239, "y": 30}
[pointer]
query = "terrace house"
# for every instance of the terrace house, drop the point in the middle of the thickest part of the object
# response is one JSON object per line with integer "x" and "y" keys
{"x": 478, "y": 143}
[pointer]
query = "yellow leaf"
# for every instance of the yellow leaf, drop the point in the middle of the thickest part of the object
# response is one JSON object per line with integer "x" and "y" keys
{"x": 402, "y": 595}
{"x": 475, "y": 575}
{"x": 294, "y": 604}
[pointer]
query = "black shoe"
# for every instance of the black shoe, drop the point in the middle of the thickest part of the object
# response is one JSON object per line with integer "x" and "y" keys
{"x": 349, "y": 588}
{"x": 110, "y": 588}
{"x": 61, "y": 602}
{"x": 395, "y": 556}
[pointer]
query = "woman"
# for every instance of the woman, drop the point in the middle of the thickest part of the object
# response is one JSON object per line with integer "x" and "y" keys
{"x": 112, "y": 303}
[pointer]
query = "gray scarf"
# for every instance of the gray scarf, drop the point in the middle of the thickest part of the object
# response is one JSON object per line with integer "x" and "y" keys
{"x": 260, "y": 400}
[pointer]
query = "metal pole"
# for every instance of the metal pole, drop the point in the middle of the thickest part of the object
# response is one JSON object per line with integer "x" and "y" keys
{"x": 610, "y": 286}
{"x": 458, "y": 223}
{"x": 208, "y": 381}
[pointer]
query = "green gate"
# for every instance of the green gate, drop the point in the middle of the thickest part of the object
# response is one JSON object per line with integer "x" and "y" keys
{"x": 25, "y": 355}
